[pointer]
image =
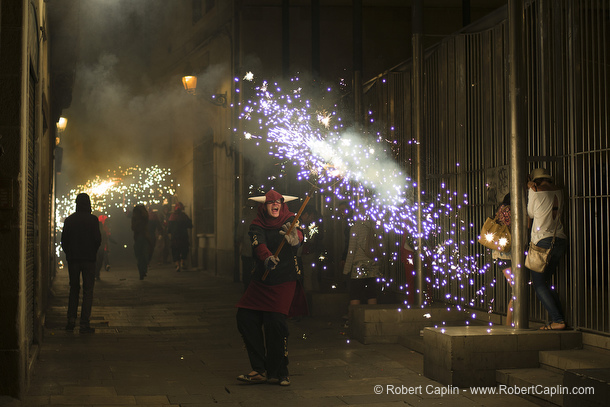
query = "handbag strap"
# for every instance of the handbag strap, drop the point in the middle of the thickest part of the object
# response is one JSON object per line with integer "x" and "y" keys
{"x": 555, "y": 231}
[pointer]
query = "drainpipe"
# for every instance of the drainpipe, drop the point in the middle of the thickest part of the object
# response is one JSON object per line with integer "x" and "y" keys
{"x": 357, "y": 50}
{"x": 285, "y": 39}
{"x": 417, "y": 18}
{"x": 315, "y": 40}
{"x": 237, "y": 148}
{"x": 518, "y": 163}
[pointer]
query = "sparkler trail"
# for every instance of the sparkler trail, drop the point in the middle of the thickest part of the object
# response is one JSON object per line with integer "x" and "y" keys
{"x": 359, "y": 168}
{"x": 122, "y": 188}
{"x": 339, "y": 161}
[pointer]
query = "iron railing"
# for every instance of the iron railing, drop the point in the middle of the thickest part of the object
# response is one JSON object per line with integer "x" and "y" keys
{"x": 466, "y": 146}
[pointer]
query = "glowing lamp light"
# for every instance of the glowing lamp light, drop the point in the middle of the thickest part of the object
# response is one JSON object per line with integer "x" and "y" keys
{"x": 61, "y": 124}
{"x": 190, "y": 84}
{"x": 489, "y": 237}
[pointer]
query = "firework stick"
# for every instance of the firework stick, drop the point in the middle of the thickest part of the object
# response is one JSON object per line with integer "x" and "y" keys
{"x": 292, "y": 225}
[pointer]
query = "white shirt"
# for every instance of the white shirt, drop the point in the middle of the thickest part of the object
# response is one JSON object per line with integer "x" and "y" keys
{"x": 357, "y": 263}
{"x": 540, "y": 209}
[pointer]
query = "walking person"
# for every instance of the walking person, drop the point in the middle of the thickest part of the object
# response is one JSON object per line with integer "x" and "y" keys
{"x": 268, "y": 301}
{"x": 142, "y": 245}
{"x": 545, "y": 207}
{"x": 103, "y": 253}
{"x": 178, "y": 226}
{"x": 80, "y": 240}
{"x": 165, "y": 244}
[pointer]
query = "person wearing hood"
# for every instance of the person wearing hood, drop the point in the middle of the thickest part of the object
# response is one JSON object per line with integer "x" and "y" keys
{"x": 80, "y": 240}
{"x": 178, "y": 229}
{"x": 271, "y": 298}
{"x": 142, "y": 244}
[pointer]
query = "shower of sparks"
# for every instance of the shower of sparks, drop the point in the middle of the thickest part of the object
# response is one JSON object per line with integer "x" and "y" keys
{"x": 338, "y": 161}
{"x": 359, "y": 168}
{"x": 122, "y": 188}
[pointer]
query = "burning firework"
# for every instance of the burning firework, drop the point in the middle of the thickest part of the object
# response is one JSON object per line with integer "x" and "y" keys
{"x": 122, "y": 188}
{"x": 341, "y": 162}
{"x": 359, "y": 168}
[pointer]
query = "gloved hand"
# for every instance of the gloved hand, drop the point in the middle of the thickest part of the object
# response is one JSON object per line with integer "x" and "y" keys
{"x": 271, "y": 262}
{"x": 293, "y": 237}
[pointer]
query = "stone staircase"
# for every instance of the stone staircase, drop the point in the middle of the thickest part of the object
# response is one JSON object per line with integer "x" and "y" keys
{"x": 562, "y": 371}
{"x": 464, "y": 348}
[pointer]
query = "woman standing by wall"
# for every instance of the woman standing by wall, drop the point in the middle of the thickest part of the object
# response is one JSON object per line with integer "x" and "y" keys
{"x": 544, "y": 207}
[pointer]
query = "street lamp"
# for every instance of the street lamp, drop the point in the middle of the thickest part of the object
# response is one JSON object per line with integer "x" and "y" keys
{"x": 190, "y": 85}
{"x": 61, "y": 124}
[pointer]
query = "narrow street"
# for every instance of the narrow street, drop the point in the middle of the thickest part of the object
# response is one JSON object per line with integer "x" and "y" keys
{"x": 171, "y": 340}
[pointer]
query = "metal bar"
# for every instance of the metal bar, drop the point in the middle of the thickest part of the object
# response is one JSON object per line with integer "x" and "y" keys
{"x": 418, "y": 120}
{"x": 518, "y": 164}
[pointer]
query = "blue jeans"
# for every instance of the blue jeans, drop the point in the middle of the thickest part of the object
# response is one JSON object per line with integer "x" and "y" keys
{"x": 542, "y": 281}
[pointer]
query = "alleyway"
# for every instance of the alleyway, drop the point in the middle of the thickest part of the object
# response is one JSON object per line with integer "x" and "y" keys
{"x": 171, "y": 340}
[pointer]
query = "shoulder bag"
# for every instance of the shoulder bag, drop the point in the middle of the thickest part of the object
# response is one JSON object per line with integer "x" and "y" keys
{"x": 537, "y": 258}
{"x": 495, "y": 235}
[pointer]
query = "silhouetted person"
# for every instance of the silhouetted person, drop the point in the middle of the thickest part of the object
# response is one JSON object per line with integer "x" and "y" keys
{"x": 178, "y": 226}
{"x": 80, "y": 240}
{"x": 164, "y": 219}
{"x": 103, "y": 253}
{"x": 154, "y": 230}
{"x": 503, "y": 259}
{"x": 142, "y": 245}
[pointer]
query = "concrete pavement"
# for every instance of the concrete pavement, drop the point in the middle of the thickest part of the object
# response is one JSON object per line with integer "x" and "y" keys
{"x": 171, "y": 340}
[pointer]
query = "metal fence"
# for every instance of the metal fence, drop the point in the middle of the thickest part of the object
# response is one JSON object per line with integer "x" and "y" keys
{"x": 466, "y": 147}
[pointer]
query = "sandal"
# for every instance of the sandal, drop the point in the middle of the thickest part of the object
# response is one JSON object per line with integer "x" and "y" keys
{"x": 252, "y": 378}
{"x": 549, "y": 326}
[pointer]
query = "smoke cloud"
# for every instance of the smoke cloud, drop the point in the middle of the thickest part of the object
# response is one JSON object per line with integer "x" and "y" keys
{"x": 119, "y": 116}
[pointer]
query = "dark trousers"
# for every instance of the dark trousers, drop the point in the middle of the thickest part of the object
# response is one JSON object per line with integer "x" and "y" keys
{"x": 141, "y": 248}
{"x": 75, "y": 269}
{"x": 179, "y": 253}
{"x": 267, "y": 351}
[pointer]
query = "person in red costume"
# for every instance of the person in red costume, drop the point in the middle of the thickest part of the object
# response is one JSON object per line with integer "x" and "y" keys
{"x": 266, "y": 304}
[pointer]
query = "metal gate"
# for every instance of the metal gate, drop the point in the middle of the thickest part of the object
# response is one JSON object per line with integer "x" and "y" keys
{"x": 466, "y": 146}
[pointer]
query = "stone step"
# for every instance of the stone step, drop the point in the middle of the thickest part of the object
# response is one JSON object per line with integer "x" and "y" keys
{"x": 594, "y": 386}
{"x": 574, "y": 359}
{"x": 544, "y": 380}
{"x": 562, "y": 371}
{"x": 416, "y": 342}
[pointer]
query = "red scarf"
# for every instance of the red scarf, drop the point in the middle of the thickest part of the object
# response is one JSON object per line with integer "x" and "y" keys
{"x": 264, "y": 220}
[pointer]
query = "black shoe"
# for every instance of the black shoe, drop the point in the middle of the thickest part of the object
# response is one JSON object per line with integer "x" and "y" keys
{"x": 87, "y": 330}
{"x": 70, "y": 326}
